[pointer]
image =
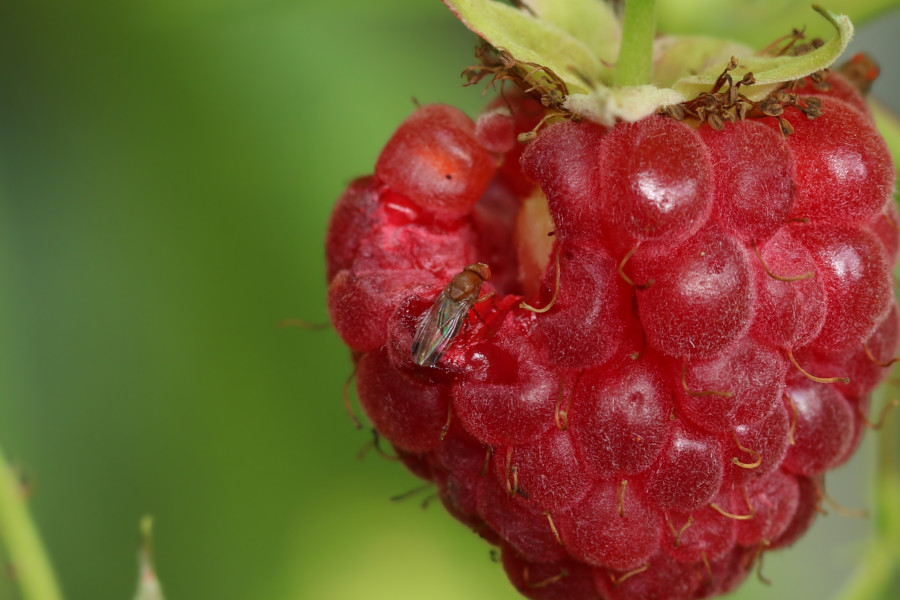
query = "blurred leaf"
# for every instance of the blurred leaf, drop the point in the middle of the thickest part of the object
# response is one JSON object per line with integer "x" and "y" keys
{"x": 771, "y": 71}
{"x": 888, "y": 123}
{"x": 148, "y": 584}
{"x": 19, "y": 535}
{"x": 759, "y": 22}
{"x": 531, "y": 39}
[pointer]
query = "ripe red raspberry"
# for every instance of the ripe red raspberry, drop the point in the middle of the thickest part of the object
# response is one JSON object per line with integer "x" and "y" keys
{"x": 628, "y": 349}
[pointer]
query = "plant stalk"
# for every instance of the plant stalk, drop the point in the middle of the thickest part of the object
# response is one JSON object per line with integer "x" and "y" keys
{"x": 32, "y": 567}
{"x": 635, "y": 63}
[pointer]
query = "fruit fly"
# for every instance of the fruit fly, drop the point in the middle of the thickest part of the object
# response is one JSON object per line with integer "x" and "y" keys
{"x": 445, "y": 318}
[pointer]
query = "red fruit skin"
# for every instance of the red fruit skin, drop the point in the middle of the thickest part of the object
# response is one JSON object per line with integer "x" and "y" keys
{"x": 408, "y": 413}
{"x": 646, "y": 196}
{"x": 503, "y": 397}
{"x": 824, "y": 427}
{"x": 565, "y": 161}
{"x": 434, "y": 160}
{"x": 791, "y": 305}
{"x": 755, "y": 450}
{"x": 494, "y": 219}
{"x": 619, "y": 417}
{"x": 525, "y": 528}
{"x": 868, "y": 365}
{"x": 526, "y": 113}
{"x": 807, "y": 508}
{"x": 651, "y": 424}
{"x": 495, "y": 130}
{"x": 590, "y": 294}
{"x": 741, "y": 386}
{"x": 885, "y": 225}
{"x": 691, "y": 535}
{"x": 550, "y": 471}
{"x": 353, "y": 213}
{"x": 361, "y": 303}
{"x": 664, "y": 579}
{"x": 559, "y": 580}
{"x": 845, "y": 173}
{"x": 727, "y": 573}
{"x": 851, "y": 265}
{"x": 402, "y": 236}
{"x": 698, "y": 298}
{"x": 754, "y": 203}
{"x": 774, "y": 500}
{"x": 596, "y": 532}
{"x": 689, "y": 472}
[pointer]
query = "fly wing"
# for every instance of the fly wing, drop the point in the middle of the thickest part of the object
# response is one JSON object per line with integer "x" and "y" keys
{"x": 438, "y": 328}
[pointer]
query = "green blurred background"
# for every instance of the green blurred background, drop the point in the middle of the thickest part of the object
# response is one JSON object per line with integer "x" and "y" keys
{"x": 167, "y": 169}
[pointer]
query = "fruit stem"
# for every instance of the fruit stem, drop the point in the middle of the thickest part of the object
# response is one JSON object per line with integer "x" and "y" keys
{"x": 888, "y": 123}
{"x": 876, "y": 575}
{"x": 635, "y": 63}
{"x": 20, "y": 536}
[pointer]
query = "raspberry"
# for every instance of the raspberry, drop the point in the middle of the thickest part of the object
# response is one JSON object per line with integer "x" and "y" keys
{"x": 624, "y": 339}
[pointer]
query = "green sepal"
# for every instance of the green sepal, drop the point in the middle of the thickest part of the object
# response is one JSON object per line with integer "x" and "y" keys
{"x": 593, "y": 23}
{"x": 578, "y": 39}
{"x": 772, "y": 71}
{"x": 677, "y": 55}
{"x": 530, "y": 39}
{"x": 888, "y": 124}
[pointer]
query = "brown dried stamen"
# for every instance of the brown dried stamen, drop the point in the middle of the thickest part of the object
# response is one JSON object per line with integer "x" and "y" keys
{"x": 791, "y": 39}
{"x": 793, "y": 427}
{"x": 347, "y": 404}
{"x": 725, "y": 513}
{"x": 875, "y": 360}
{"x": 553, "y": 528}
{"x": 618, "y": 581}
{"x": 375, "y": 444}
{"x": 620, "y": 499}
{"x": 678, "y": 533}
{"x": 410, "y": 493}
{"x": 544, "y": 582}
{"x": 639, "y": 286}
{"x": 703, "y": 392}
{"x": 787, "y": 279}
{"x": 884, "y": 411}
{"x": 562, "y": 416}
{"x": 725, "y": 103}
{"x": 512, "y": 473}
{"x": 758, "y": 556}
{"x": 844, "y": 380}
{"x": 549, "y": 305}
{"x": 535, "y": 80}
{"x": 706, "y": 564}
{"x": 755, "y": 454}
{"x": 446, "y": 426}
{"x": 855, "y": 513}
{"x": 487, "y": 461}
{"x": 861, "y": 70}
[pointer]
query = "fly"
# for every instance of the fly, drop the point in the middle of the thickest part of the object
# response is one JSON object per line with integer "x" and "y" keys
{"x": 445, "y": 318}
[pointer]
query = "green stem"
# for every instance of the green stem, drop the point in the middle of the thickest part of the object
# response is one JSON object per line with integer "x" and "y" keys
{"x": 888, "y": 124}
{"x": 635, "y": 63}
{"x": 881, "y": 562}
{"x": 22, "y": 541}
